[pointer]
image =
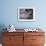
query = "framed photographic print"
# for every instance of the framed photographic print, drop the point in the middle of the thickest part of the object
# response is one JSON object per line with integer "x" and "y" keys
{"x": 26, "y": 14}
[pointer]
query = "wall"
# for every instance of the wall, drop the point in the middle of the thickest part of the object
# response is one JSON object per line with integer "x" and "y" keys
{"x": 8, "y": 13}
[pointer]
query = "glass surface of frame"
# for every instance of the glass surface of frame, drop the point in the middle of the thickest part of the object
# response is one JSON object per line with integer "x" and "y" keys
{"x": 26, "y": 14}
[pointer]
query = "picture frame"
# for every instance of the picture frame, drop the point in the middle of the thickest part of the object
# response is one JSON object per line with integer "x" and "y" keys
{"x": 26, "y": 14}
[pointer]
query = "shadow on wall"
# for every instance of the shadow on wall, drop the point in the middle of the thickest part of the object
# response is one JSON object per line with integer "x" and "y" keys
{"x": 2, "y": 26}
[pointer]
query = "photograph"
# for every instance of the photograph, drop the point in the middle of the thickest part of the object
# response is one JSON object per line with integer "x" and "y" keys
{"x": 26, "y": 14}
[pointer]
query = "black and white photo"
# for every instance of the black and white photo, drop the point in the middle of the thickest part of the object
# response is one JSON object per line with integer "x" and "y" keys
{"x": 26, "y": 14}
